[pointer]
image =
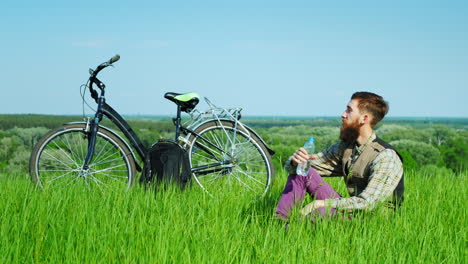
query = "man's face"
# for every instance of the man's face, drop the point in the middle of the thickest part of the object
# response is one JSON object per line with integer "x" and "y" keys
{"x": 351, "y": 118}
{"x": 352, "y": 113}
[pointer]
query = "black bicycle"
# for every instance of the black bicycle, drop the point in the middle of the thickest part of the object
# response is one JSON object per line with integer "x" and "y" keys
{"x": 224, "y": 153}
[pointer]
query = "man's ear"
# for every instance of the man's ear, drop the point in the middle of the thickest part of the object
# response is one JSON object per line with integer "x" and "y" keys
{"x": 365, "y": 119}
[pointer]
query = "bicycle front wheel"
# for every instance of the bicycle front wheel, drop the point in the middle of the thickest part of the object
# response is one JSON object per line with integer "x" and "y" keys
{"x": 226, "y": 159}
{"x": 58, "y": 158}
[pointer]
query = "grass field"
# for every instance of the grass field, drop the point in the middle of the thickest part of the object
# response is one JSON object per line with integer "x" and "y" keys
{"x": 79, "y": 226}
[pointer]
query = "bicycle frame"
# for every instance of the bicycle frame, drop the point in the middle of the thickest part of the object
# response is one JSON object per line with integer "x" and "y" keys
{"x": 106, "y": 110}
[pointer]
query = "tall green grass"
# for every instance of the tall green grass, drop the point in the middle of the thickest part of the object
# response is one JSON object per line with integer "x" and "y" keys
{"x": 76, "y": 225}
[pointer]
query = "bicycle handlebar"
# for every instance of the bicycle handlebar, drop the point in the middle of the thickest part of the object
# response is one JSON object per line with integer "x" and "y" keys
{"x": 95, "y": 72}
{"x": 105, "y": 64}
{"x": 114, "y": 59}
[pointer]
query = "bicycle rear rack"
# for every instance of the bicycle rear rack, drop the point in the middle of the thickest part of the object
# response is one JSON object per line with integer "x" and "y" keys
{"x": 214, "y": 113}
{"x": 218, "y": 114}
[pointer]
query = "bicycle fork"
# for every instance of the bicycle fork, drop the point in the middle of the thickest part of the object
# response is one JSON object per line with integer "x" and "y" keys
{"x": 91, "y": 133}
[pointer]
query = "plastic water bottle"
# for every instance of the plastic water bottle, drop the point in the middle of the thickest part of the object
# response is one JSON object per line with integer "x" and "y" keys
{"x": 303, "y": 168}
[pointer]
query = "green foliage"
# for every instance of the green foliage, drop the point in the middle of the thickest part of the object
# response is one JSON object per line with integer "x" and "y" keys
{"x": 391, "y": 133}
{"x": 15, "y": 147}
{"x": 148, "y": 137}
{"x": 29, "y": 136}
{"x": 440, "y": 134}
{"x": 19, "y": 161}
{"x": 7, "y": 146}
{"x": 8, "y": 122}
{"x": 436, "y": 140}
{"x": 30, "y": 120}
{"x": 426, "y": 122}
{"x": 17, "y": 142}
{"x": 455, "y": 151}
{"x": 408, "y": 162}
{"x": 268, "y": 122}
{"x": 421, "y": 152}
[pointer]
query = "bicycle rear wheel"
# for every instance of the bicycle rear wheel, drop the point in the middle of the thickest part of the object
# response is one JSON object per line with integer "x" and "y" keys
{"x": 58, "y": 158}
{"x": 229, "y": 159}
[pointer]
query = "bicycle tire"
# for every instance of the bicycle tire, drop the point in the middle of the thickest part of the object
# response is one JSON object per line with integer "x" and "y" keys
{"x": 248, "y": 169}
{"x": 57, "y": 160}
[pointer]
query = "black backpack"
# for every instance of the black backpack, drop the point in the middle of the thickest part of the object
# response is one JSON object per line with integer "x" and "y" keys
{"x": 168, "y": 163}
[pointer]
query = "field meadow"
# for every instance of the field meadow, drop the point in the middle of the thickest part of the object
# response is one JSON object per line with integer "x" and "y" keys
{"x": 76, "y": 225}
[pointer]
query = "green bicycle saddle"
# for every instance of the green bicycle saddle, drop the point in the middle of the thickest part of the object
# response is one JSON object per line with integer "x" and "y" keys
{"x": 186, "y": 101}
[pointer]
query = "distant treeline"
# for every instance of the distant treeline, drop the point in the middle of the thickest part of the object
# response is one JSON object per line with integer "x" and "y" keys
{"x": 164, "y": 123}
{"x": 441, "y": 143}
{"x": 53, "y": 121}
{"x": 416, "y": 122}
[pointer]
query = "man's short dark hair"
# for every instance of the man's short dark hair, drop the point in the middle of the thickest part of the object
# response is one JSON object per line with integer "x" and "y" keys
{"x": 373, "y": 104}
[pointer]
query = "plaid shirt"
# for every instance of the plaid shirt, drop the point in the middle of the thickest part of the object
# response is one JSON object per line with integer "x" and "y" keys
{"x": 386, "y": 171}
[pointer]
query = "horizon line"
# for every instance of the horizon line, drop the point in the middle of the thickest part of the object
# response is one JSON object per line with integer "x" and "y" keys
{"x": 253, "y": 116}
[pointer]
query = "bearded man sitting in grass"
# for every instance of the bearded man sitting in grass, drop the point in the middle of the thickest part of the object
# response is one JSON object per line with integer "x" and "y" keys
{"x": 371, "y": 168}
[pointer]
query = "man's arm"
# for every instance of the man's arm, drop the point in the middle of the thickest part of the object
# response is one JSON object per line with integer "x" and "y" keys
{"x": 326, "y": 163}
{"x": 386, "y": 172}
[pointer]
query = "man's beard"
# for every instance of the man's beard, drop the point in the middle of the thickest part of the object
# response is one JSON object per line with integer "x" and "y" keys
{"x": 349, "y": 132}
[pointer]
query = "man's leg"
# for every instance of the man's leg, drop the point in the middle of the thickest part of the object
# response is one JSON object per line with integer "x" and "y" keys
{"x": 297, "y": 186}
{"x": 319, "y": 189}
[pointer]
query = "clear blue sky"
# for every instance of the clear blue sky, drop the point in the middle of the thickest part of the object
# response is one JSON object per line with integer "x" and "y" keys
{"x": 276, "y": 58}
